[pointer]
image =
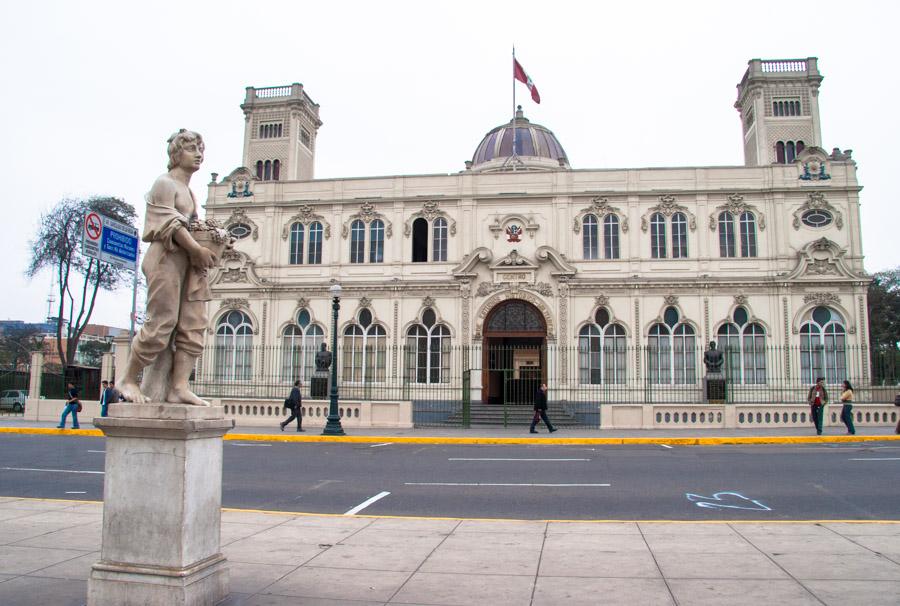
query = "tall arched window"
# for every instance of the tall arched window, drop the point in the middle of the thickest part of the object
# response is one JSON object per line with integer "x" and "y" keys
{"x": 428, "y": 351}
{"x": 296, "y": 244}
{"x": 259, "y": 169}
{"x": 823, "y": 346}
{"x": 376, "y": 241}
{"x": 679, "y": 236}
{"x": 234, "y": 347}
{"x": 315, "y": 243}
{"x": 299, "y": 344}
{"x": 267, "y": 170}
{"x": 357, "y": 241}
{"x": 601, "y": 351}
{"x": 744, "y": 347}
{"x": 589, "y": 242}
{"x": 420, "y": 241}
{"x": 672, "y": 351}
{"x": 790, "y": 152}
{"x": 439, "y": 239}
{"x": 779, "y": 152}
{"x": 611, "y": 237}
{"x": 658, "y": 236}
{"x": 748, "y": 234}
{"x": 727, "y": 246}
{"x": 276, "y": 170}
{"x": 365, "y": 351}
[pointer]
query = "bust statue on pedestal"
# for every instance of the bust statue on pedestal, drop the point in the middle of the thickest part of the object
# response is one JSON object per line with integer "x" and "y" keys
{"x": 713, "y": 360}
{"x": 714, "y": 382}
{"x": 318, "y": 385}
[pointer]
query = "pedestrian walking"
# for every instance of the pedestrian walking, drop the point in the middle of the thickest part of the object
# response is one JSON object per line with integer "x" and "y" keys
{"x": 817, "y": 399}
{"x": 115, "y": 396}
{"x": 847, "y": 408}
{"x": 540, "y": 409}
{"x": 293, "y": 404}
{"x": 104, "y": 395}
{"x": 72, "y": 406}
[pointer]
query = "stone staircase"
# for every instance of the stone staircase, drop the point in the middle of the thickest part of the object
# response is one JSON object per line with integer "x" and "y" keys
{"x": 516, "y": 415}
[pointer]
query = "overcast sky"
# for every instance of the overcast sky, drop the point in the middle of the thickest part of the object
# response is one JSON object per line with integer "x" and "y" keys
{"x": 93, "y": 89}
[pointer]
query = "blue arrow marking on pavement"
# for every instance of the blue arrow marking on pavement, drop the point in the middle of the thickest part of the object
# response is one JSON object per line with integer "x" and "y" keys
{"x": 720, "y": 500}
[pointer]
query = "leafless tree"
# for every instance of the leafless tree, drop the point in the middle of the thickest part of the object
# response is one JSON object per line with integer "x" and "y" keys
{"x": 57, "y": 246}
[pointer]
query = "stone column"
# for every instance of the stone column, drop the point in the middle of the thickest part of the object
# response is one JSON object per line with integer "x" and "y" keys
{"x": 121, "y": 349}
{"x": 107, "y": 366}
{"x": 161, "y": 507}
{"x": 37, "y": 373}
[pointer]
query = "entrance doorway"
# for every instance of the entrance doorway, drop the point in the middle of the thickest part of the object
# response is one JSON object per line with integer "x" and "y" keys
{"x": 514, "y": 356}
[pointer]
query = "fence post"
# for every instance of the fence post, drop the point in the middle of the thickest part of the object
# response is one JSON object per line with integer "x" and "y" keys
{"x": 37, "y": 371}
{"x": 467, "y": 399}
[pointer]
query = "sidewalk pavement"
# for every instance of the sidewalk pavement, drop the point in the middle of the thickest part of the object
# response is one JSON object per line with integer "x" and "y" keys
{"x": 47, "y": 548}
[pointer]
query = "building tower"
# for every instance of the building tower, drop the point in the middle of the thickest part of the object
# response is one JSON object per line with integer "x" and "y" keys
{"x": 779, "y": 106}
{"x": 281, "y": 123}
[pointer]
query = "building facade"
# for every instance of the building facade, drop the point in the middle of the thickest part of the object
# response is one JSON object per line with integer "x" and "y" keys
{"x": 522, "y": 268}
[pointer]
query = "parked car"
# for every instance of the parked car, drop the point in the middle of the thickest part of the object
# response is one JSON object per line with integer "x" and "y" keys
{"x": 14, "y": 399}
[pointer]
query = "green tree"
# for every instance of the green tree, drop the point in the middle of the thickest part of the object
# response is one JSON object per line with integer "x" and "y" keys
{"x": 93, "y": 351}
{"x": 16, "y": 346}
{"x": 57, "y": 246}
{"x": 884, "y": 324}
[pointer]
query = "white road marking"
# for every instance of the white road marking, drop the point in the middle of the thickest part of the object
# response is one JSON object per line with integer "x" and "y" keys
{"x": 366, "y": 503}
{"x": 512, "y": 459}
{"x": 76, "y": 492}
{"x": 666, "y": 446}
{"x": 247, "y": 444}
{"x": 502, "y": 484}
{"x": 103, "y": 451}
{"x": 377, "y": 445}
{"x": 50, "y": 470}
{"x": 877, "y": 459}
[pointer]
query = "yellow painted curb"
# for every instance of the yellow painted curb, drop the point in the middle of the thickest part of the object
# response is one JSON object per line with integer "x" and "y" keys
{"x": 52, "y": 431}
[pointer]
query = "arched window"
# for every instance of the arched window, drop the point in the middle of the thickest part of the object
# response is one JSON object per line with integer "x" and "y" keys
{"x": 679, "y": 236}
{"x": 276, "y": 170}
{"x": 748, "y": 234}
{"x": 589, "y": 238}
{"x": 365, "y": 351}
{"x": 267, "y": 170}
{"x": 439, "y": 239}
{"x": 601, "y": 351}
{"x": 299, "y": 344}
{"x": 357, "y": 242}
{"x": 420, "y": 241}
{"x": 779, "y": 152}
{"x": 744, "y": 347}
{"x": 658, "y": 236}
{"x": 259, "y": 169}
{"x": 672, "y": 351}
{"x": 823, "y": 346}
{"x": 790, "y": 153}
{"x": 296, "y": 244}
{"x": 376, "y": 241}
{"x": 800, "y": 147}
{"x": 315, "y": 243}
{"x": 234, "y": 347}
{"x": 428, "y": 351}
{"x": 727, "y": 246}
{"x": 611, "y": 237}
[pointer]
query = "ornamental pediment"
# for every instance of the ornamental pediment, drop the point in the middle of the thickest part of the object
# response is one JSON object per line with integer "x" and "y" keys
{"x": 668, "y": 206}
{"x": 600, "y": 207}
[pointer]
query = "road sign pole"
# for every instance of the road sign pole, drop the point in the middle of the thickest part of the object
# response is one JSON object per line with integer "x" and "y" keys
{"x": 134, "y": 289}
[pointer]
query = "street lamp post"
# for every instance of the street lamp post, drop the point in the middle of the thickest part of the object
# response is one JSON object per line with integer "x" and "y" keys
{"x": 333, "y": 426}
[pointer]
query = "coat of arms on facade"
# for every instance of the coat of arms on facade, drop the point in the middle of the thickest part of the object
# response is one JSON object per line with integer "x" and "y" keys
{"x": 813, "y": 165}
{"x": 240, "y": 179}
{"x": 513, "y": 232}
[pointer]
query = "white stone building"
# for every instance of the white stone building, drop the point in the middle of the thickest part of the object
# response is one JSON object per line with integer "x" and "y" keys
{"x": 582, "y": 276}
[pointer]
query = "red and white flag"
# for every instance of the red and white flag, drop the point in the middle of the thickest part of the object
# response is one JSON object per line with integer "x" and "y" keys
{"x": 520, "y": 75}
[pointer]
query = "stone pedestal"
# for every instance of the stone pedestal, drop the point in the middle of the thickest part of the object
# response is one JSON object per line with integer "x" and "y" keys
{"x": 318, "y": 386}
{"x": 714, "y": 388}
{"x": 161, "y": 507}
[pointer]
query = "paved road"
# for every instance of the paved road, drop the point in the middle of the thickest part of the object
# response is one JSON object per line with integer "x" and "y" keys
{"x": 802, "y": 482}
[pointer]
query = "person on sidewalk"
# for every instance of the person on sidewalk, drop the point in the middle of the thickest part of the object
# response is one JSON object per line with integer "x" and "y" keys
{"x": 847, "y": 408}
{"x": 72, "y": 405}
{"x": 817, "y": 399}
{"x": 104, "y": 395}
{"x": 115, "y": 396}
{"x": 540, "y": 409}
{"x": 293, "y": 404}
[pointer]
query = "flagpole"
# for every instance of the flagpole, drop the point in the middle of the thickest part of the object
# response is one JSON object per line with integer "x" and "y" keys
{"x": 515, "y": 130}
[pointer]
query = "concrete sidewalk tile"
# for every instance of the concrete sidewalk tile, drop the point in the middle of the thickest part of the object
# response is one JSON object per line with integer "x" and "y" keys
{"x": 493, "y": 540}
{"x": 281, "y": 600}
{"x": 85, "y": 537}
{"x": 559, "y": 562}
{"x": 501, "y": 527}
{"x": 20, "y": 529}
{"x": 682, "y": 528}
{"x": 253, "y": 517}
{"x": 863, "y": 567}
{"x": 870, "y": 593}
{"x": 396, "y": 558}
{"x": 888, "y": 544}
{"x": 338, "y": 584}
{"x": 39, "y": 591}
{"x": 465, "y": 589}
{"x": 71, "y": 518}
{"x": 6, "y": 577}
{"x": 398, "y": 538}
{"x": 88, "y": 508}
{"x": 698, "y": 544}
{"x": 579, "y": 591}
{"x": 253, "y": 578}
{"x": 22, "y": 560}
{"x": 420, "y": 525}
{"x": 76, "y": 568}
{"x": 231, "y": 532}
{"x": 762, "y": 529}
{"x": 348, "y": 523}
{"x": 486, "y": 554}
{"x": 593, "y": 528}
{"x": 706, "y": 565}
{"x": 600, "y": 542}
{"x": 273, "y": 551}
{"x": 715, "y": 592}
{"x": 826, "y": 544}
{"x": 864, "y": 528}
{"x": 308, "y": 535}
{"x": 37, "y": 505}
{"x": 15, "y": 514}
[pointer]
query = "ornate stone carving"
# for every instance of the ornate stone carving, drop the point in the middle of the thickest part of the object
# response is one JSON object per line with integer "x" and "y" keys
{"x": 812, "y": 162}
{"x": 822, "y": 257}
{"x": 600, "y": 207}
{"x": 486, "y": 288}
{"x": 821, "y": 267}
{"x": 499, "y": 225}
{"x": 515, "y": 293}
{"x": 237, "y": 267}
{"x": 740, "y": 299}
{"x": 822, "y": 298}
{"x": 667, "y": 207}
{"x": 306, "y": 216}
{"x": 302, "y": 303}
{"x": 239, "y": 216}
{"x": 542, "y": 288}
{"x": 234, "y": 303}
{"x": 365, "y": 302}
{"x": 428, "y": 302}
{"x": 736, "y": 206}
{"x": 601, "y": 301}
{"x": 429, "y": 212}
{"x": 671, "y": 299}
{"x": 367, "y": 214}
{"x": 816, "y": 201}
{"x": 241, "y": 180}
{"x": 465, "y": 293}
{"x": 513, "y": 259}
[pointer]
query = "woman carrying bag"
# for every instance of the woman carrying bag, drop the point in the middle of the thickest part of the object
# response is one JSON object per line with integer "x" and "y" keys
{"x": 847, "y": 408}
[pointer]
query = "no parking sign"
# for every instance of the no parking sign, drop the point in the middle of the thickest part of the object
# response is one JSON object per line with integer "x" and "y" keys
{"x": 109, "y": 241}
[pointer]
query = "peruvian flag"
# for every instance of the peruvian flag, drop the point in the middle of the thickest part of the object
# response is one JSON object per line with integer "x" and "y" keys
{"x": 520, "y": 75}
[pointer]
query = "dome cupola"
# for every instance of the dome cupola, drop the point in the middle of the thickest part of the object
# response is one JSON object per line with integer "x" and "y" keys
{"x": 536, "y": 148}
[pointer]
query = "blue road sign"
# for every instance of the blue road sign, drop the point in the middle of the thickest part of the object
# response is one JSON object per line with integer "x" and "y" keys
{"x": 110, "y": 241}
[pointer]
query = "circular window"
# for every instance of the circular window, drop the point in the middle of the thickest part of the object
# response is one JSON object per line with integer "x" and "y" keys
{"x": 816, "y": 218}
{"x": 239, "y": 231}
{"x": 822, "y": 315}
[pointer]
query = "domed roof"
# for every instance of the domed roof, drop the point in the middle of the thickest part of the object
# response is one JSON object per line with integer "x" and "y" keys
{"x": 537, "y": 148}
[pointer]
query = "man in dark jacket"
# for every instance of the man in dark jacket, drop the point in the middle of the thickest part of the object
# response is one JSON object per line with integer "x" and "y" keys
{"x": 72, "y": 404}
{"x": 293, "y": 404}
{"x": 540, "y": 409}
{"x": 817, "y": 398}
